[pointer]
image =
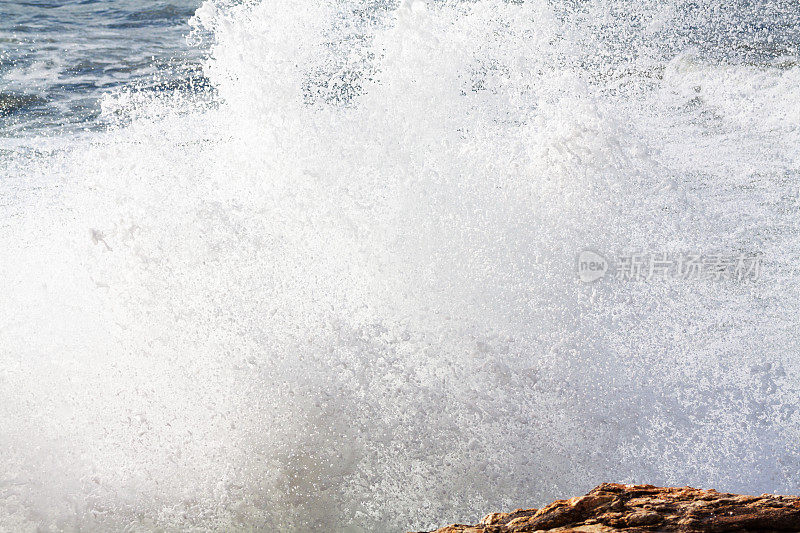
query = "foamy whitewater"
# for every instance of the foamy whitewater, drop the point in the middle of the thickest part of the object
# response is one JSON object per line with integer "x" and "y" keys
{"x": 334, "y": 287}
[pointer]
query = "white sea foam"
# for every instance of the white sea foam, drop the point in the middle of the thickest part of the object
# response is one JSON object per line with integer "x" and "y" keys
{"x": 340, "y": 291}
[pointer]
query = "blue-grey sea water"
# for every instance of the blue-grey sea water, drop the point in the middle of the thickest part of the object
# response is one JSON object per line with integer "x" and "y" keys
{"x": 57, "y": 58}
{"x": 294, "y": 265}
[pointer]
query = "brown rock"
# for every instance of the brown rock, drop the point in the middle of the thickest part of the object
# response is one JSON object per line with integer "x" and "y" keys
{"x": 612, "y": 507}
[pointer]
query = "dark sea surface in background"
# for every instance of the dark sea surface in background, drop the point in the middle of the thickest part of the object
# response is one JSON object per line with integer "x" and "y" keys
{"x": 58, "y": 58}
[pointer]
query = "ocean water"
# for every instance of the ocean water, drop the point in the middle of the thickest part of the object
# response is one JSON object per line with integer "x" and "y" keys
{"x": 294, "y": 266}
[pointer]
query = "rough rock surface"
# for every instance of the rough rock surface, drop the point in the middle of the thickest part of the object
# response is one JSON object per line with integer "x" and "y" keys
{"x": 611, "y": 507}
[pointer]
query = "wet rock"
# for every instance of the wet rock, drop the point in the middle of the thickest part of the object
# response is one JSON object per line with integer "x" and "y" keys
{"x": 612, "y": 507}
